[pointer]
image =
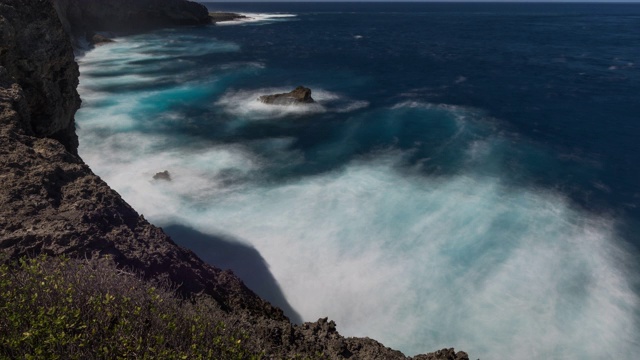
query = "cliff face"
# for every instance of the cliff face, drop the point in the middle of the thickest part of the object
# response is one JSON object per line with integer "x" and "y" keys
{"x": 51, "y": 202}
{"x": 34, "y": 49}
{"x": 82, "y": 18}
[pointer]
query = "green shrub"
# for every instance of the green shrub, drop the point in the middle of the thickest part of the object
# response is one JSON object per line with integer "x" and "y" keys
{"x": 58, "y": 308}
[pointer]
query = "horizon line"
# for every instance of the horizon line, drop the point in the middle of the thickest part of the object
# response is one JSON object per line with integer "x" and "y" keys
{"x": 603, "y": 2}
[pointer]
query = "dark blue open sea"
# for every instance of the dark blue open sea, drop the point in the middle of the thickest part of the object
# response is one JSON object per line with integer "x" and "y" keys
{"x": 469, "y": 176}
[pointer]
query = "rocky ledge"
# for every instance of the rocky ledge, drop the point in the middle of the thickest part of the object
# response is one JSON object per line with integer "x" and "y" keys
{"x": 51, "y": 202}
{"x": 299, "y": 95}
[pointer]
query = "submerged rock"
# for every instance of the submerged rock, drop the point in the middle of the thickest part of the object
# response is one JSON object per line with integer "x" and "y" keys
{"x": 98, "y": 39}
{"x": 163, "y": 175}
{"x": 299, "y": 95}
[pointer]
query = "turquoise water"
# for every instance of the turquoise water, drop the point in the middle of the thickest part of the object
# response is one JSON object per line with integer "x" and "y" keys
{"x": 466, "y": 178}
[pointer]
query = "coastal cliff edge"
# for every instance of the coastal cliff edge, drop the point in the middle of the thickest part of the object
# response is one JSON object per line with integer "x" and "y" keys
{"x": 52, "y": 203}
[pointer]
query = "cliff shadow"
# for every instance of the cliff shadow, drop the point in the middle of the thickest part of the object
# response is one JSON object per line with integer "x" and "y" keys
{"x": 246, "y": 262}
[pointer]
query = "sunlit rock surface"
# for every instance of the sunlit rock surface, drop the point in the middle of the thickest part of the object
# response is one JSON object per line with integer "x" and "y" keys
{"x": 299, "y": 95}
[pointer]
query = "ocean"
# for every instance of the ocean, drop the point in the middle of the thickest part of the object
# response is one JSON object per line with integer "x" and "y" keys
{"x": 468, "y": 176}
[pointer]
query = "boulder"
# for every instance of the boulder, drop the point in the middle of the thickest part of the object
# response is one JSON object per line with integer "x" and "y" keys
{"x": 299, "y": 95}
{"x": 163, "y": 175}
{"x": 98, "y": 39}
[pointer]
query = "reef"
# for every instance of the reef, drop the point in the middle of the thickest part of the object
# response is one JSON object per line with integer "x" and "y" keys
{"x": 52, "y": 203}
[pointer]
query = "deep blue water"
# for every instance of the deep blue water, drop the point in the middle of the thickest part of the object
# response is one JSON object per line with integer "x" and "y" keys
{"x": 467, "y": 178}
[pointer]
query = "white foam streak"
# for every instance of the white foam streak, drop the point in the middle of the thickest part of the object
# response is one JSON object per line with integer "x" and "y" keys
{"x": 257, "y": 18}
{"x": 418, "y": 263}
{"x": 125, "y": 51}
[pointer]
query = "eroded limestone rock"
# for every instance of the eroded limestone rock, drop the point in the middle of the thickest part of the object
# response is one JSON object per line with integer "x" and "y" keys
{"x": 299, "y": 95}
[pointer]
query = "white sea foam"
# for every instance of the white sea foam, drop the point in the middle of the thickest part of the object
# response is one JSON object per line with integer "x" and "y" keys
{"x": 125, "y": 52}
{"x": 258, "y": 18}
{"x": 425, "y": 105}
{"x": 417, "y": 262}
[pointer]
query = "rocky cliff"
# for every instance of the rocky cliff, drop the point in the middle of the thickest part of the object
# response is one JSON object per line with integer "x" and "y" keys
{"x": 34, "y": 49}
{"x": 51, "y": 202}
{"x": 82, "y": 18}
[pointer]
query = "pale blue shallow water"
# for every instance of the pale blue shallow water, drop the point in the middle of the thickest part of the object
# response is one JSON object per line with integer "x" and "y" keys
{"x": 468, "y": 176}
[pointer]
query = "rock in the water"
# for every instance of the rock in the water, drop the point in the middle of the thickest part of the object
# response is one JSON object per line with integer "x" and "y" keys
{"x": 299, "y": 95}
{"x": 163, "y": 175}
{"x": 98, "y": 39}
{"x": 225, "y": 16}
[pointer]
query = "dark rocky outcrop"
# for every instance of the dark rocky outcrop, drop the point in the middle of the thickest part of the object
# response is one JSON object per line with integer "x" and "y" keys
{"x": 225, "y": 16}
{"x": 82, "y": 18}
{"x": 51, "y": 202}
{"x": 162, "y": 175}
{"x": 444, "y": 354}
{"x": 299, "y": 95}
{"x": 99, "y": 39}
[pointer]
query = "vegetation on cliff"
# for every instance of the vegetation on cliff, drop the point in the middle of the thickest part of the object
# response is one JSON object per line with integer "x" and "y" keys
{"x": 60, "y": 308}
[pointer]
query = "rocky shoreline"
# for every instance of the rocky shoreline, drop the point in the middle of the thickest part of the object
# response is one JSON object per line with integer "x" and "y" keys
{"x": 52, "y": 203}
